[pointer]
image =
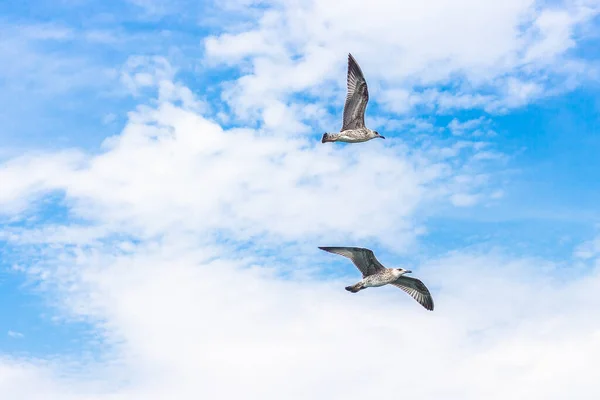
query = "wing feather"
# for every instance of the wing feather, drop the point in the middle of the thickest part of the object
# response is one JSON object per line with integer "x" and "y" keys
{"x": 356, "y": 98}
{"x": 364, "y": 259}
{"x": 416, "y": 289}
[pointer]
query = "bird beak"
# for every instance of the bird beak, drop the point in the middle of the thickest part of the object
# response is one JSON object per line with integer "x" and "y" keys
{"x": 383, "y": 137}
{"x": 408, "y": 272}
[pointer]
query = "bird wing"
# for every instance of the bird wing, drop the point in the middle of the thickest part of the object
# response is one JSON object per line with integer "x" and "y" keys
{"x": 364, "y": 259}
{"x": 416, "y": 289}
{"x": 356, "y": 98}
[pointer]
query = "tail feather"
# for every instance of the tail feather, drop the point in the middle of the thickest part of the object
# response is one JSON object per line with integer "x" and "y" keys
{"x": 327, "y": 137}
{"x": 355, "y": 288}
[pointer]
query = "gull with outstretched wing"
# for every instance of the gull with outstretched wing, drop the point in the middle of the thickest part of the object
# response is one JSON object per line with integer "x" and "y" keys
{"x": 353, "y": 127}
{"x": 375, "y": 274}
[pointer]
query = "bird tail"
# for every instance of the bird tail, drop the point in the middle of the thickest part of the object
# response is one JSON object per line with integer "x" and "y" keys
{"x": 327, "y": 137}
{"x": 355, "y": 288}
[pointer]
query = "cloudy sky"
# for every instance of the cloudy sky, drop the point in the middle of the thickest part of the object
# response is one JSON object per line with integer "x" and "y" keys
{"x": 163, "y": 191}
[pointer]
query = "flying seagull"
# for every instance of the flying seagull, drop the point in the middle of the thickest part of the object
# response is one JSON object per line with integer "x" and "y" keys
{"x": 375, "y": 274}
{"x": 353, "y": 128}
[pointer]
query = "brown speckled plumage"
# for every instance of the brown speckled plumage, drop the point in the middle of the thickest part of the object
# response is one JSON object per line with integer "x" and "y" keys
{"x": 375, "y": 274}
{"x": 353, "y": 126}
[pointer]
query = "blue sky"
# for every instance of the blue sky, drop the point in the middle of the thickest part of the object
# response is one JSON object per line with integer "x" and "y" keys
{"x": 146, "y": 144}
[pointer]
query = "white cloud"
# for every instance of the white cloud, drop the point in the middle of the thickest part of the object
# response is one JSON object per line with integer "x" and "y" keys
{"x": 23, "y": 177}
{"x": 174, "y": 170}
{"x": 553, "y": 30}
{"x": 187, "y": 320}
{"x": 495, "y": 55}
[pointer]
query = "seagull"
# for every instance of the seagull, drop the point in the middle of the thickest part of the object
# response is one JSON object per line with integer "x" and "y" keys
{"x": 375, "y": 274}
{"x": 353, "y": 128}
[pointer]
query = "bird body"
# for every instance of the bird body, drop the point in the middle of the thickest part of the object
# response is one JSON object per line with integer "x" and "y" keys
{"x": 375, "y": 274}
{"x": 353, "y": 127}
{"x": 383, "y": 277}
{"x": 350, "y": 136}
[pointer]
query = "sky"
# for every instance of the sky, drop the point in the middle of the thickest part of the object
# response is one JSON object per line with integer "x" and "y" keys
{"x": 164, "y": 191}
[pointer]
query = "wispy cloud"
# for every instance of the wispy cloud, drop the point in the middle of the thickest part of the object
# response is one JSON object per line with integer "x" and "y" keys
{"x": 15, "y": 334}
{"x": 69, "y": 76}
{"x": 475, "y": 127}
{"x": 588, "y": 250}
{"x": 41, "y": 63}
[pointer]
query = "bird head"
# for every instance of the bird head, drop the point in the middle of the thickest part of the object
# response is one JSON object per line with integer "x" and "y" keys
{"x": 378, "y": 135}
{"x": 402, "y": 271}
